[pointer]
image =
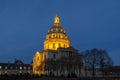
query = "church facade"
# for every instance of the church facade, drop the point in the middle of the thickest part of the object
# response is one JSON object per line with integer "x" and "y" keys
{"x": 58, "y": 58}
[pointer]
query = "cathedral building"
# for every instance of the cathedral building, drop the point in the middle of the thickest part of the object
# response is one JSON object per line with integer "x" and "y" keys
{"x": 58, "y": 58}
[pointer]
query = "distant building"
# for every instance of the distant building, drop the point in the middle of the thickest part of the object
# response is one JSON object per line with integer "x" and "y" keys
{"x": 112, "y": 71}
{"x": 109, "y": 71}
{"x": 18, "y": 67}
{"x": 57, "y": 58}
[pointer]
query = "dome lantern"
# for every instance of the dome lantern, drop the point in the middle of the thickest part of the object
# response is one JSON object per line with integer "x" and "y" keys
{"x": 56, "y": 21}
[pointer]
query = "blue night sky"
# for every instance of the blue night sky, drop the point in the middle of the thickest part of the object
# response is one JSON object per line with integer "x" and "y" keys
{"x": 88, "y": 24}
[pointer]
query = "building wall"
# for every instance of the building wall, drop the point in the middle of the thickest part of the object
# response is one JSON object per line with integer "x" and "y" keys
{"x": 65, "y": 61}
{"x": 11, "y": 68}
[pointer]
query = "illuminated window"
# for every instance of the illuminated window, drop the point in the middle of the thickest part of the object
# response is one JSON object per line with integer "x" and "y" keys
{"x": 53, "y": 36}
{"x": 64, "y": 45}
{"x": 20, "y": 67}
{"x": 51, "y": 29}
{"x": 28, "y": 67}
{"x": 6, "y": 67}
{"x": 59, "y": 36}
{"x": 5, "y": 72}
{"x": 29, "y": 72}
{"x": 0, "y": 67}
{"x": 53, "y": 45}
{"x": 24, "y": 67}
{"x": 59, "y": 45}
{"x": 20, "y": 72}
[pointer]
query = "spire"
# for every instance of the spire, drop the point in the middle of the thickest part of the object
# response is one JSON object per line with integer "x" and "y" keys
{"x": 56, "y": 20}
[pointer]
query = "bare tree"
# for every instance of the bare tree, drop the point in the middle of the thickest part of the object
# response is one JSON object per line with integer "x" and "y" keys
{"x": 94, "y": 58}
{"x": 104, "y": 60}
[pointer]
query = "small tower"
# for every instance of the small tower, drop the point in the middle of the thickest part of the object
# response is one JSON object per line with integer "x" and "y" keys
{"x": 38, "y": 66}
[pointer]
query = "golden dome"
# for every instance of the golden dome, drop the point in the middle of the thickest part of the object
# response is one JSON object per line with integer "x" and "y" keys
{"x": 56, "y": 30}
{"x": 56, "y": 37}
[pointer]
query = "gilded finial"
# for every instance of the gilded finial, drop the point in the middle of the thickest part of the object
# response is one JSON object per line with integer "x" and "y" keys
{"x": 56, "y": 20}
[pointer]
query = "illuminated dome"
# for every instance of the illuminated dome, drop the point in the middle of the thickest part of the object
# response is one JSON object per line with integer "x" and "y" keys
{"x": 56, "y": 37}
{"x": 56, "y": 30}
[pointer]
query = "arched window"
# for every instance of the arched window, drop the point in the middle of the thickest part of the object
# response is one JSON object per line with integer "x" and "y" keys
{"x": 59, "y": 36}
{"x": 59, "y": 45}
{"x": 64, "y": 45}
{"x": 53, "y": 36}
{"x": 53, "y": 45}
